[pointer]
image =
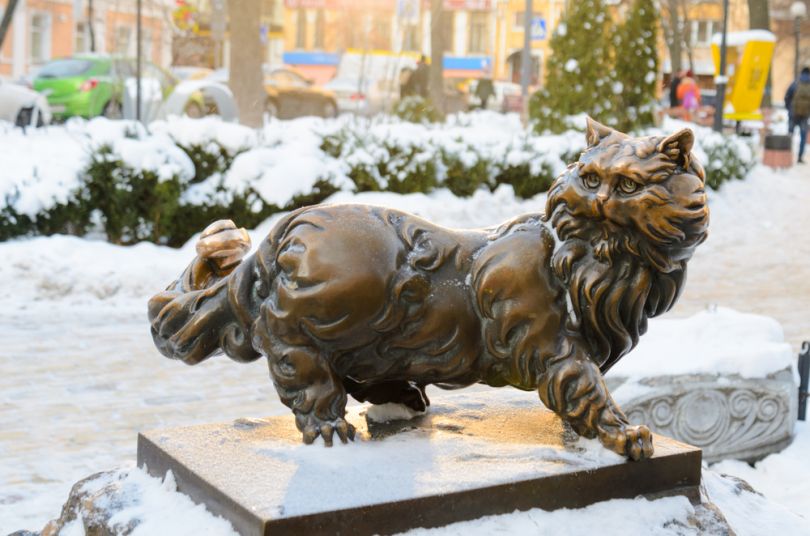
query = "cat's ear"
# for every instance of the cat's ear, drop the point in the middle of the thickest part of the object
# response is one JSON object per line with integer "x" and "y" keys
{"x": 595, "y": 132}
{"x": 677, "y": 147}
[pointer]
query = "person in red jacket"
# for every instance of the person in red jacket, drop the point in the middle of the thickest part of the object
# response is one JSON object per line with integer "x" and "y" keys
{"x": 688, "y": 95}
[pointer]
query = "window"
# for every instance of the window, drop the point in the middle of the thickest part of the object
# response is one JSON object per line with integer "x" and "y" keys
{"x": 410, "y": 37}
{"x": 702, "y": 32}
{"x": 380, "y": 33}
{"x": 122, "y": 38}
{"x": 301, "y": 29}
{"x": 520, "y": 16}
{"x": 269, "y": 9}
{"x": 65, "y": 68}
{"x": 81, "y": 38}
{"x": 296, "y": 79}
{"x": 319, "y": 28}
{"x": 146, "y": 43}
{"x": 40, "y": 46}
{"x": 478, "y": 33}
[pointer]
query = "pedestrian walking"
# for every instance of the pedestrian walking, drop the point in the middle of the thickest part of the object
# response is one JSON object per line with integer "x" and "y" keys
{"x": 484, "y": 90}
{"x": 797, "y": 102}
{"x": 420, "y": 78}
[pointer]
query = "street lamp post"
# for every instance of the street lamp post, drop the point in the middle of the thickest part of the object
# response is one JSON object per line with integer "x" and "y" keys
{"x": 138, "y": 61}
{"x": 526, "y": 58}
{"x": 721, "y": 79}
{"x": 798, "y": 11}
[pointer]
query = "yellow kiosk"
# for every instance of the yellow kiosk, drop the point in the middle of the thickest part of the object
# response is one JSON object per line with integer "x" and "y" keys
{"x": 748, "y": 59}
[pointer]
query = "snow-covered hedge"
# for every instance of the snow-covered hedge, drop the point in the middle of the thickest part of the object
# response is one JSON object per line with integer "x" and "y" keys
{"x": 165, "y": 183}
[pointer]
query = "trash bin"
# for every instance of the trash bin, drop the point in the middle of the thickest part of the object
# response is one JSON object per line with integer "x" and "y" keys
{"x": 778, "y": 152}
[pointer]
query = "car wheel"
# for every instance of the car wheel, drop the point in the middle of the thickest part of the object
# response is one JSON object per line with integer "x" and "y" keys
{"x": 271, "y": 108}
{"x": 113, "y": 110}
{"x": 329, "y": 110}
{"x": 194, "y": 110}
{"x": 25, "y": 117}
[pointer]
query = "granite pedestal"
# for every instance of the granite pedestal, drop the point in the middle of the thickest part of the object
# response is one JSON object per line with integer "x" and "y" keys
{"x": 471, "y": 455}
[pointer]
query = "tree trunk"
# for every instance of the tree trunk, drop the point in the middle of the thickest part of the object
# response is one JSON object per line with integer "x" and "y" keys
{"x": 246, "y": 61}
{"x": 437, "y": 46}
{"x": 686, "y": 34}
{"x": 759, "y": 18}
{"x": 673, "y": 34}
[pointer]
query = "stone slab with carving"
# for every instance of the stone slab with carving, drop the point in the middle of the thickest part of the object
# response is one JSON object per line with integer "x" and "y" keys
{"x": 723, "y": 381}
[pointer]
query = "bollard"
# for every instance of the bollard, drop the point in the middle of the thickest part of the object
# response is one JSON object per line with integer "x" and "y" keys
{"x": 804, "y": 376}
{"x": 778, "y": 151}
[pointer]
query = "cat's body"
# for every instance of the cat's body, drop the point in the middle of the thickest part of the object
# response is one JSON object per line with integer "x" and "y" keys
{"x": 411, "y": 300}
{"x": 377, "y": 304}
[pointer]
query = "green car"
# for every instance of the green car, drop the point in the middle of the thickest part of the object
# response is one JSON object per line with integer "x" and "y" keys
{"x": 93, "y": 85}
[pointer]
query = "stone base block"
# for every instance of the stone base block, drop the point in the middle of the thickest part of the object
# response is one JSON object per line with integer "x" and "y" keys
{"x": 471, "y": 455}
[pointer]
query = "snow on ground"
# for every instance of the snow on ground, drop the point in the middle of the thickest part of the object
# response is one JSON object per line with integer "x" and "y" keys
{"x": 781, "y": 477}
{"x": 79, "y": 375}
{"x": 756, "y": 257}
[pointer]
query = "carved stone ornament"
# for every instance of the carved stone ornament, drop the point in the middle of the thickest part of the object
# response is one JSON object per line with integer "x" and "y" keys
{"x": 726, "y": 416}
{"x": 377, "y": 304}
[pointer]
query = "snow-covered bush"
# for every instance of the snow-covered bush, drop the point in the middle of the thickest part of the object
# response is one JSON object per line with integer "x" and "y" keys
{"x": 465, "y": 171}
{"x": 416, "y": 109}
{"x": 167, "y": 183}
{"x": 726, "y": 158}
{"x": 380, "y": 158}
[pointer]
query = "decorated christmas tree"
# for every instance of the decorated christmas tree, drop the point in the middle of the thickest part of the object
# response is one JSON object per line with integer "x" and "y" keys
{"x": 636, "y": 66}
{"x": 579, "y": 75}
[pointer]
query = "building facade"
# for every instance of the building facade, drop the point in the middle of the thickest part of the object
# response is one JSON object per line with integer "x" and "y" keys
{"x": 43, "y": 30}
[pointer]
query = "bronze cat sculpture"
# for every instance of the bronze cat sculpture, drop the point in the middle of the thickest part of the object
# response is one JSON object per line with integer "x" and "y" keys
{"x": 376, "y": 303}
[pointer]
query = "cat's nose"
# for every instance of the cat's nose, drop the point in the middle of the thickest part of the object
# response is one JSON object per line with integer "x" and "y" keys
{"x": 599, "y": 203}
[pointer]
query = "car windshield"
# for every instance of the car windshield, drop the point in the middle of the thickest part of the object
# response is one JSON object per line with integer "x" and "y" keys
{"x": 65, "y": 68}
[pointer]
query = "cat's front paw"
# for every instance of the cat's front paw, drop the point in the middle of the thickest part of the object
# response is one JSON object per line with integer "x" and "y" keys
{"x": 635, "y": 442}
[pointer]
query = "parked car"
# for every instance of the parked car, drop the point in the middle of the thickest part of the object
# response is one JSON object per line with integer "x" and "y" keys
{"x": 23, "y": 106}
{"x": 368, "y": 84}
{"x": 290, "y": 95}
{"x": 184, "y": 72}
{"x": 93, "y": 85}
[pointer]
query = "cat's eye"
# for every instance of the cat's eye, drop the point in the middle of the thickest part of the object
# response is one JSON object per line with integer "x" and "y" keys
{"x": 628, "y": 185}
{"x": 591, "y": 181}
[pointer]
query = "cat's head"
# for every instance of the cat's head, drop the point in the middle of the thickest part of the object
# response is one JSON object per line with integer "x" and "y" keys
{"x": 643, "y": 196}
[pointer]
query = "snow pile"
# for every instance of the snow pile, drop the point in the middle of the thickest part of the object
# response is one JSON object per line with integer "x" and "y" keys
{"x": 40, "y": 167}
{"x": 289, "y": 163}
{"x": 187, "y": 131}
{"x": 73, "y": 271}
{"x": 135, "y": 147}
{"x": 751, "y": 514}
{"x": 717, "y": 341}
